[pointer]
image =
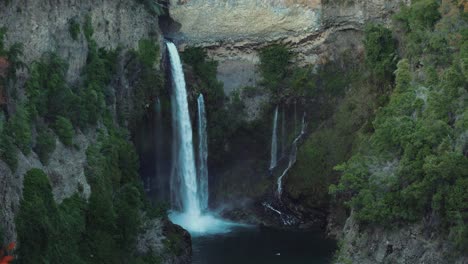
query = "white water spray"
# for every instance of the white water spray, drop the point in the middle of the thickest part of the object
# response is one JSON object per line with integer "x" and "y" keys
{"x": 202, "y": 155}
{"x": 274, "y": 141}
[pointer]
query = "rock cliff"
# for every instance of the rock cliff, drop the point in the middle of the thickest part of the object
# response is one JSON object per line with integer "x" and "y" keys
{"x": 414, "y": 243}
{"x": 42, "y": 27}
{"x": 233, "y": 31}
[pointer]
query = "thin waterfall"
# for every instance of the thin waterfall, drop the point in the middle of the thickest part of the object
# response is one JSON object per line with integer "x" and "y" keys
{"x": 292, "y": 157}
{"x": 202, "y": 155}
{"x": 274, "y": 141}
{"x": 283, "y": 133}
{"x": 184, "y": 163}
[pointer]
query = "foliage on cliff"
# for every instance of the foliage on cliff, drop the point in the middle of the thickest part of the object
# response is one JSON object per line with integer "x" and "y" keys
{"x": 223, "y": 115}
{"x": 104, "y": 228}
{"x": 414, "y": 166}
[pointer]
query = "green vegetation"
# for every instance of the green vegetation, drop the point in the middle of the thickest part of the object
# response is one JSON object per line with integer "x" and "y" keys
{"x": 19, "y": 128}
{"x": 380, "y": 51}
{"x": 74, "y": 29}
{"x": 88, "y": 28}
{"x": 223, "y": 116}
{"x": 155, "y": 7}
{"x": 8, "y": 151}
{"x": 64, "y": 130}
{"x": 148, "y": 52}
{"x": 274, "y": 61}
{"x": 48, "y": 93}
{"x": 348, "y": 103}
{"x": 102, "y": 230}
{"x": 16, "y": 130}
{"x": 414, "y": 164}
{"x": 146, "y": 80}
{"x": 45, "y": 144}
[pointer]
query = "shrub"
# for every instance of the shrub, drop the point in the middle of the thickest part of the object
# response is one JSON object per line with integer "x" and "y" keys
{"x": 2, "y": 45}
{"x": 35, "y": 220}
{"x": 148, "y": 52}
{"x": 74, "y": 29}
{"x": 274, "y": 62}
{"x": 380, "y": 51}
{"x": 45, "y": 144}
{"x": 88, "y": 28}
{"x": 19, "y": 129}
{"x": 8, "y": 151}
{"x": 64, "y": 130}
{"x": 47, "y": 90}
{"x": 155, "y": 7}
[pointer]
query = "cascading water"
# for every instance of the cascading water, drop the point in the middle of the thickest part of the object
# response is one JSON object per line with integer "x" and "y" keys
{"x": 292, "y": 157}
{"x": 184, "y": 165}
{"x": 202, "y": 155}
{"x": 274, "y": 141}
{"x": 185, "y": 191}
{"x": 283, "y": 133}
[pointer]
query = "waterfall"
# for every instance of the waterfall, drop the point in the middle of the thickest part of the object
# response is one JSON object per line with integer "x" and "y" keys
{"x": 184, "y": 164}
{"x": 202, "y": 154}
{"x": 274, "y": 141}
{"x": 283, "y": 133}
{"x": 292, "y": 157}
{"x": 186, "y": 194}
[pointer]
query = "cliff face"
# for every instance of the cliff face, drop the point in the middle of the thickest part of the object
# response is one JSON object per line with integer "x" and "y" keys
{"x": 414, "y": 243}
{"x": 233, "y": 31}
{"x": 43, "y": 27}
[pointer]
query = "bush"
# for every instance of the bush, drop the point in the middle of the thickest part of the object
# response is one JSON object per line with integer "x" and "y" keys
{"x": 155, "y": 7}
{"x": 274, "y": 61}
{"x": 19, "y": 129}
{"x": 49, "y": 233}
{"x": 64, "y": 130}
{"x": 74, "y": 29}
{"x": 8, "y": 151}
{"x": 380, "y": 51}
{"x": 47, "y": 90}
{"x": 88, "y": 28}
{"x": 148, "y": 52}
{"x": 45, "y": 144}
{"x": 35, "y": 221}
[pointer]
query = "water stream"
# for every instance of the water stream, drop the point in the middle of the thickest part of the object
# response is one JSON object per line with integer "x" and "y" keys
{"x": 189, "y": 190}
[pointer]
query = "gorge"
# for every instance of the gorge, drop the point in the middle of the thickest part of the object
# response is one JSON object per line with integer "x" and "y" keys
{"x": 234, "y": 131}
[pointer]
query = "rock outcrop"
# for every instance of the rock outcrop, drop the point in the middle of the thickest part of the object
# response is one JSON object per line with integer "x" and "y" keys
{"x": 66, "y": 172}
{"x": 45, "y": 27}
{"x": 234, "y": 31}
{"x": 165, "y": 239}
{"x": 407, "y": 244}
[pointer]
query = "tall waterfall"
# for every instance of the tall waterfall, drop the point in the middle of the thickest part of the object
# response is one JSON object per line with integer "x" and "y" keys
{"x": 274, "y": 141}
{"x": 184, "y": 165}
{"x": 202, "y": 155}
{"x": 186, "y": 194}
{"x": 292, "y": 157}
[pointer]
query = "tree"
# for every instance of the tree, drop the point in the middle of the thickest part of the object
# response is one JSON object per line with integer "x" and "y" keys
{"x": 64, "y": 130}
{"x": 380, "y": 51}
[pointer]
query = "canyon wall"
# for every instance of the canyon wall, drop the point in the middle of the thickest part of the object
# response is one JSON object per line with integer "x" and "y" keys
{"x": 233, "y": 31}
{"x": 44, "y": 27}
